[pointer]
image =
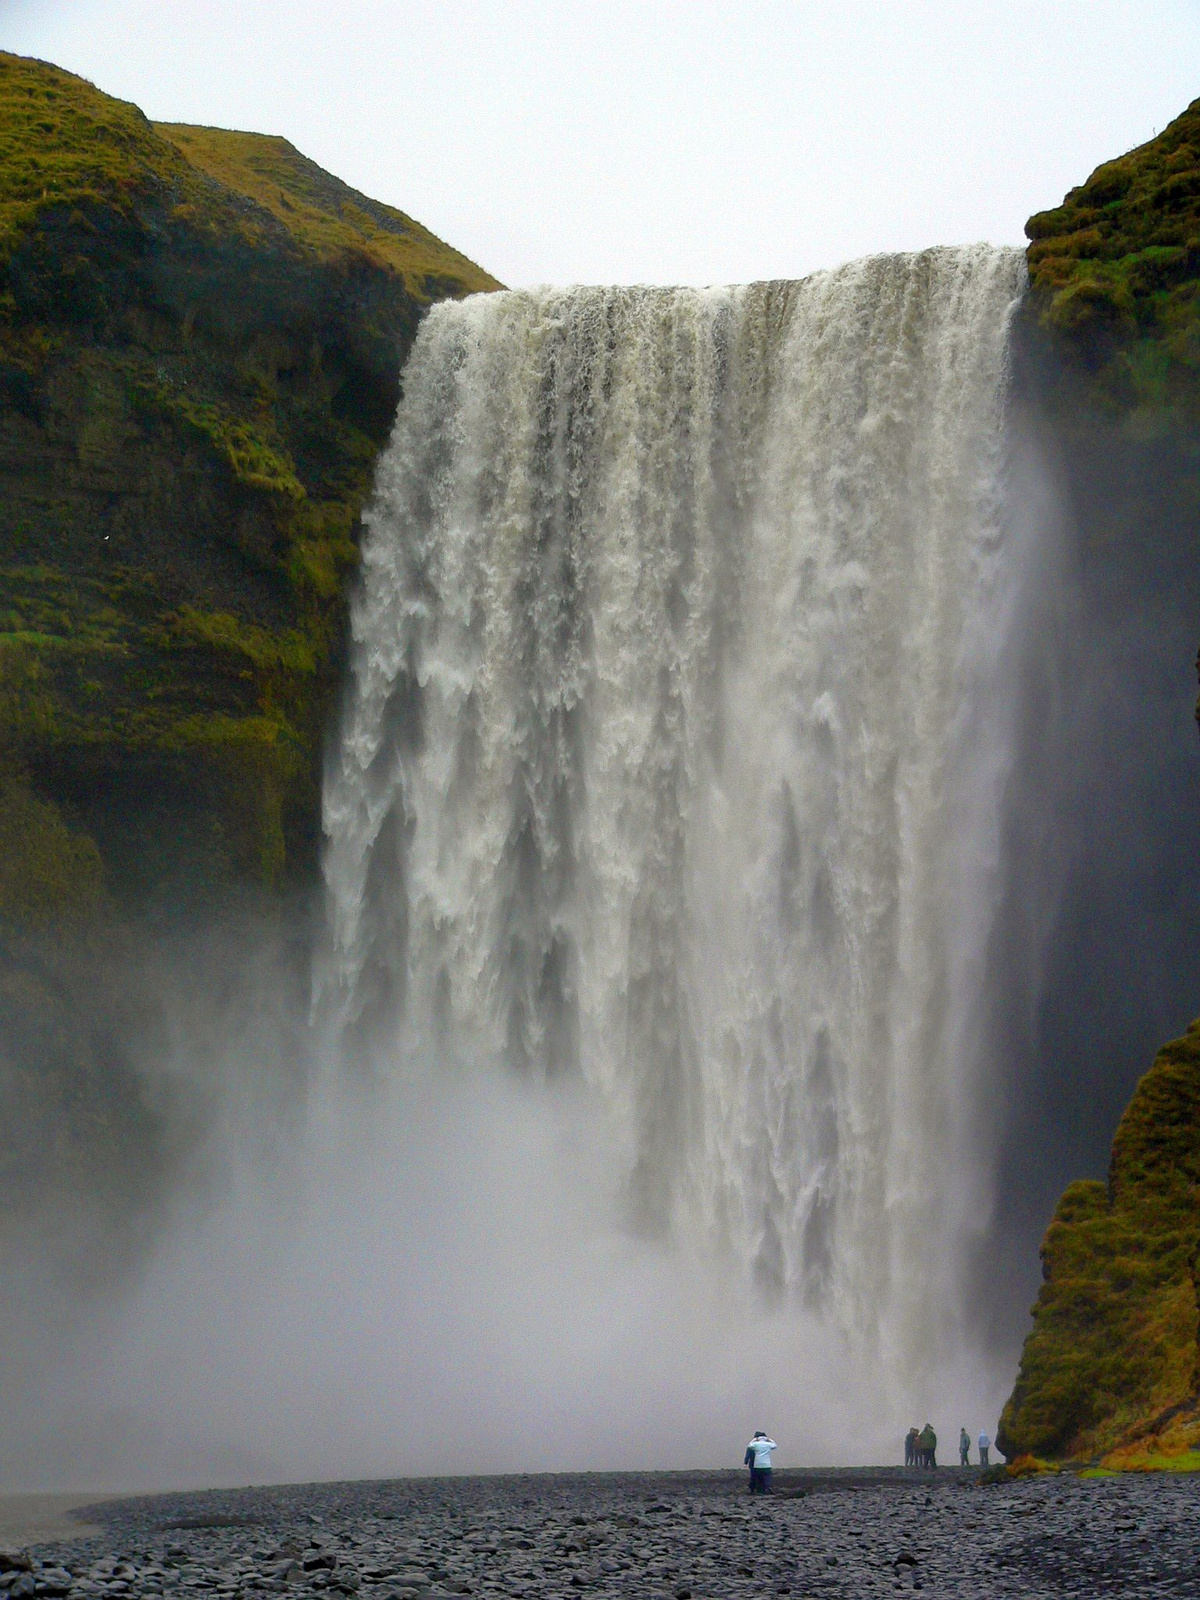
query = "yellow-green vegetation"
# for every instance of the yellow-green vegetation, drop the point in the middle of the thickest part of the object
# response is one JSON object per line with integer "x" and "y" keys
{"x": 1027, "y": 1466}
{"x": 64, "y": 144}
{"x": 201, "y": 335}
{"x": 1147, "y": 1455}
{"x": 323, "y": 213}
{"x": 1115, "y": 270}
{"x": 1109, "y": 1369}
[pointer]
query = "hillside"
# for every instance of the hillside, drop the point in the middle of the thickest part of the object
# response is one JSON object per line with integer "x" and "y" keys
{"x": 201, "y": 336}
{"x": 1115, "y": 272}
{"x": 200, "y": 341}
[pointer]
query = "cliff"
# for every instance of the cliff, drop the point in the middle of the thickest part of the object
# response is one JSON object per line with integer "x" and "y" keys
{"x": 201, "y": 335}
{"x": 1112, "y": 1357}
{"x": 1111, "y": 344}
{"x": 1114, "y": 272}
{"x": 1113, "y": 319}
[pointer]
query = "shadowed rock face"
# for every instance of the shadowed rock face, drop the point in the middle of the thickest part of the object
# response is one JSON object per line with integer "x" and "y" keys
{"x": 1110, "y": 354}
{"x": 201, "y": 336}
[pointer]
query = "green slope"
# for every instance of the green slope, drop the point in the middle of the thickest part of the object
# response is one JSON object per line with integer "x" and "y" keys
{"x": 1116, "y": 269}
{"x": 200, "y": 342}
{"x": 201, "y": 336}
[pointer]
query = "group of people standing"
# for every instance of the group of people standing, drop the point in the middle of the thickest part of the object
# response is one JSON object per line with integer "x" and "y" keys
{"x": 920, "y": 1447}
{"x": 920, "y": 1450}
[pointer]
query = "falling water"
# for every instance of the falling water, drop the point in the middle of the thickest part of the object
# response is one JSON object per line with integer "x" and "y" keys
{"x": 676, "y": 742}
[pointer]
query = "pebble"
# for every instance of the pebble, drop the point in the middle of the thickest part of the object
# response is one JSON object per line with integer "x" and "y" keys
{"x": 678, "y": 1536}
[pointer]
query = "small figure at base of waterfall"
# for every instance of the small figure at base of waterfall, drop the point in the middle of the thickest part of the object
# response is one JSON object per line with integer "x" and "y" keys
{"x": 985, "y": 1444}
{"x": 758, "y": 1459}
{"x": 927, "y": 1446}
{"x": 964, "y": 1448}
{"x": 910, "y": 1447}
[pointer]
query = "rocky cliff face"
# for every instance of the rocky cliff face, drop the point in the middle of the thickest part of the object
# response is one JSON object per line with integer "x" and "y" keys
{"x": 200, "y": 342}
{"x": 1111, "y": 355}
{"x": 201, "y": 335}
{"x": 1112, "y": 1357}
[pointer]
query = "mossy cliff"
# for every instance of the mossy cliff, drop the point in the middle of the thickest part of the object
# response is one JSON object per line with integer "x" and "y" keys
{"x": 201, "y": 335}
{"x": 1112, "y": 1357}
{"x": 1113, "y": 323}
{"x": 1115, "y": 274}
{"x": 1110, "y": 342}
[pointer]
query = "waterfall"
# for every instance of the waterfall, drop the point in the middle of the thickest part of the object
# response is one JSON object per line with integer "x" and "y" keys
{"x": 675, "y": 745}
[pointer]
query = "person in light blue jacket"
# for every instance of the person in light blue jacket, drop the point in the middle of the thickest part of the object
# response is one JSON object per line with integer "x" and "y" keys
{"x": 758, "y": 1459}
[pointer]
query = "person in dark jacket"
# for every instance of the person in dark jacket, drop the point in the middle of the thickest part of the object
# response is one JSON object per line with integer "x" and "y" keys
{"x": 910, "y": 1447}
{"x": 964, "y": 1448}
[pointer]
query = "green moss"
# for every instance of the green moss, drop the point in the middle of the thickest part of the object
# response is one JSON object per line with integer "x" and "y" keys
{"x": 64, "y": 144}
{"x": 291, "y": 651}
{"x": 113, "y": 680}
{"x": 255, "y": 462}
{"x": 1028, "y": 1466}
{"x": 255, "y": 761}
{"x": 1144, "y": 1458}
{"x": 323, "y": 213}
{"x": 201, "y": 335}
{"x": 50, "y": 873}
{"x": 1114, "y": 271}
{"x": 1114, "y": 1341}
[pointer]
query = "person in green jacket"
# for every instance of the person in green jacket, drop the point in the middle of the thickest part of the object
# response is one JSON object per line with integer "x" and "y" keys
{"x": 927, "y": 1441}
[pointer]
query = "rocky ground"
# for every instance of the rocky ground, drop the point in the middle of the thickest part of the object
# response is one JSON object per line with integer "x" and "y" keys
{"x": 682, "y": 1536}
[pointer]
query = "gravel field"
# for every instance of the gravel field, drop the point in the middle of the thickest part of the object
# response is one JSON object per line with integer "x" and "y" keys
{"x": 675, "y": 1535}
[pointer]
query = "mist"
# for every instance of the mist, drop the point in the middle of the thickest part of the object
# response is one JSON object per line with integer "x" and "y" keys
{"x": 1095, "y": 949}
{"x": 271, "y": 1244}
{"x": 435, "y": 1277}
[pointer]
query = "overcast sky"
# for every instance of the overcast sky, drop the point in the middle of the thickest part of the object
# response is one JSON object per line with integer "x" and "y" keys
{"x": 657, "y": 140}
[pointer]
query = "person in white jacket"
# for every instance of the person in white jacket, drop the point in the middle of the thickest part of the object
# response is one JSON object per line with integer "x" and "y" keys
{"x": 758, "y": 1459}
